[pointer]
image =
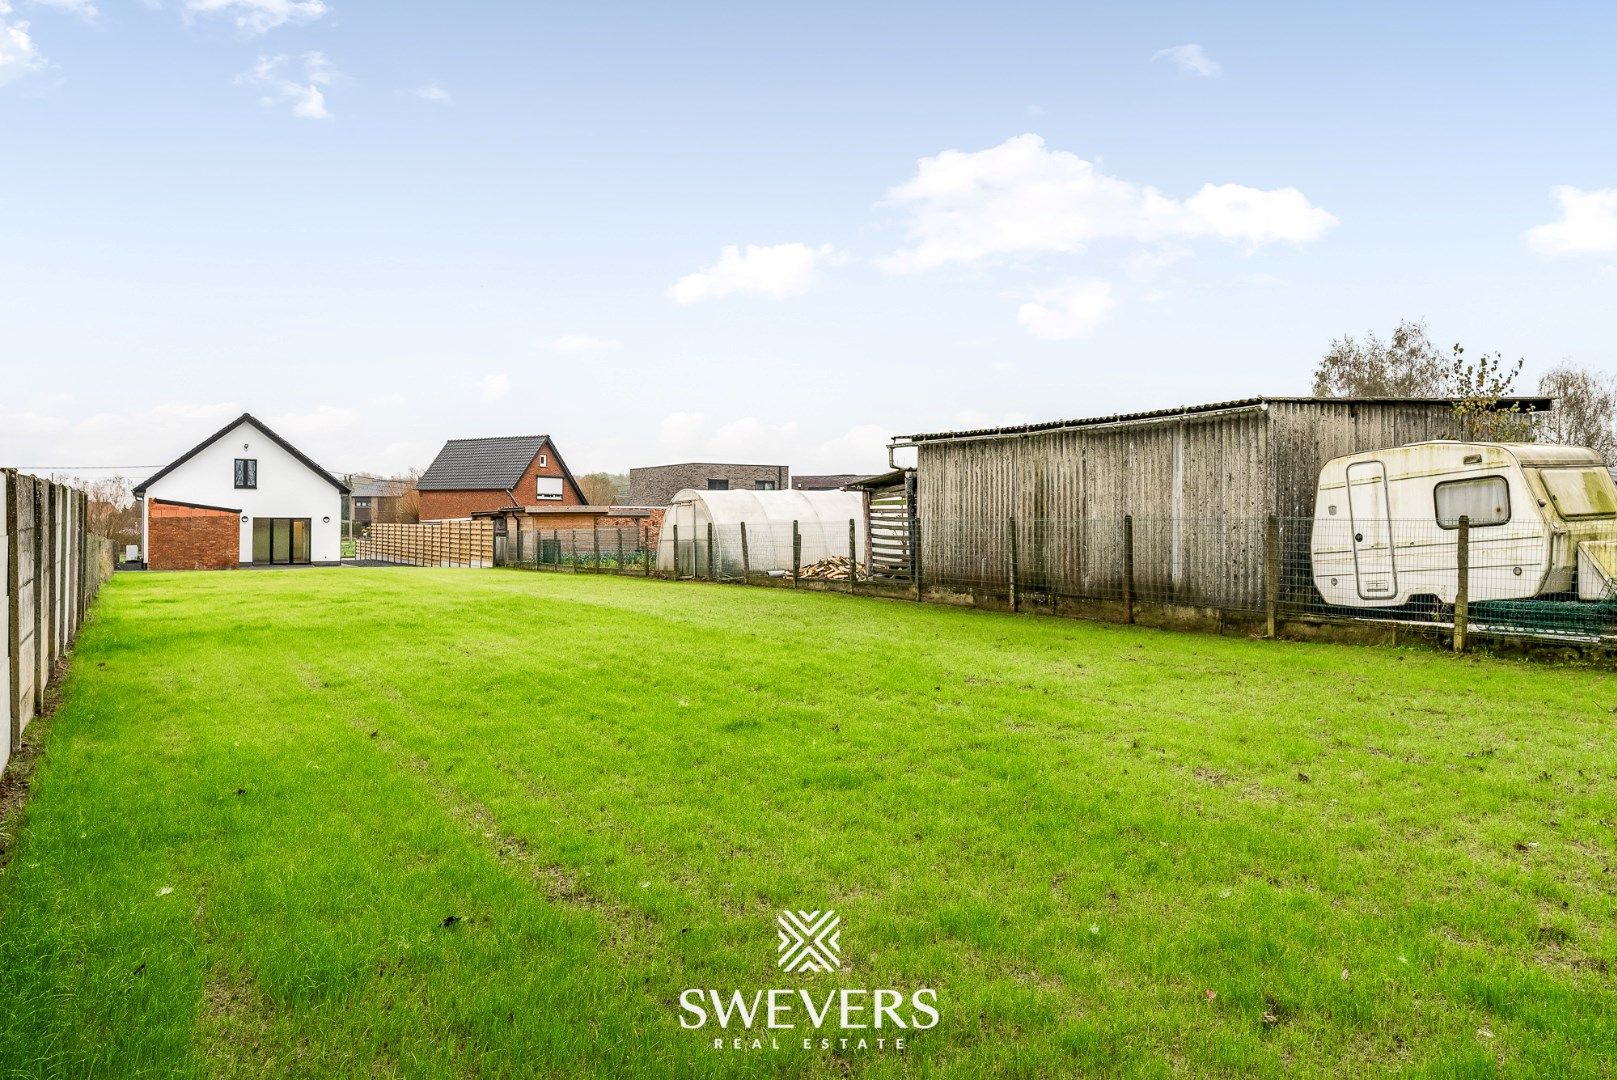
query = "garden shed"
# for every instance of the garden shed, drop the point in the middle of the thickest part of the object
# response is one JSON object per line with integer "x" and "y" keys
{"x": 1198, "y": 483}
{"x": 822, "y": 519}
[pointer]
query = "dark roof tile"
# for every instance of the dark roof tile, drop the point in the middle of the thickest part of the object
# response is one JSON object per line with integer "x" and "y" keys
{"x": 481, "y": 464}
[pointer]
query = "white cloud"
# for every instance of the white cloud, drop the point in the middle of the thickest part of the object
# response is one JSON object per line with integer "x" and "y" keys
{"x": 84, "y": 9}
{"x": 583, "y": 343}
{"x": 494, "y": 387}
{"x": 1021, "y": 197}
{"x": 307, "y": 98}
{"x": 1148, "y": 263}
{"x": 1190, "y": 60}
{"x": 1067, "y": 311}
{"x": 19, "y": 56}
{"x": 778, "y": 270}
{"x": 1588, "y": 224}
{"x": 261, "y": 16}
{"x": 434, "y": 93}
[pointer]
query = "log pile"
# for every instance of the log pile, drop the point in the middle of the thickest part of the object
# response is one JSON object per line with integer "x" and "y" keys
{"x": 836, "y": 568}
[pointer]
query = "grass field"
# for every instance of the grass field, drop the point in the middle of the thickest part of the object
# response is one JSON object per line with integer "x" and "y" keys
{"x": 424, "y": 822}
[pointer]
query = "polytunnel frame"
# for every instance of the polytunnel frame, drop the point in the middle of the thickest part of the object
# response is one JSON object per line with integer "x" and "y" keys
{"x": 822, "y": 527}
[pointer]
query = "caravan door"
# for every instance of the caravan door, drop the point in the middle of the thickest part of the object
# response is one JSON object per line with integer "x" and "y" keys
{"x": 1372, "y": 530}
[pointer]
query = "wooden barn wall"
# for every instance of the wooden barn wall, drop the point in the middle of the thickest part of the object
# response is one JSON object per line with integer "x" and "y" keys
{"x": 1307, "y": 435}
{"x": 1199, "y": 488}
{"x": 1193, "y": 484}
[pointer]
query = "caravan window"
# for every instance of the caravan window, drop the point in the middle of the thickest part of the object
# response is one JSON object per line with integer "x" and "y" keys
{"x": 1485, "y": 500}
{"x": 1580, "y": 493}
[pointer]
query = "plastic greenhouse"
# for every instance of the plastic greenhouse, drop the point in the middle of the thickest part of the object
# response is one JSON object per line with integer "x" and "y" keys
{"x": 822, "y": 518}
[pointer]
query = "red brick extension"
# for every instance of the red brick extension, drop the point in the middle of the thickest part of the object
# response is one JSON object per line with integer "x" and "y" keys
{"x": 191, "y": 538}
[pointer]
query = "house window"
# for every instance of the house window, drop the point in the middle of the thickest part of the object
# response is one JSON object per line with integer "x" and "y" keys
{"x": 765, "y": 485}
{"x": 1485, "y": 500}
{"x": 543, "y": 461}
{"x": 547, "y": 487}
{"x": 246, "y": 472}
{"x": 715, "y": 484}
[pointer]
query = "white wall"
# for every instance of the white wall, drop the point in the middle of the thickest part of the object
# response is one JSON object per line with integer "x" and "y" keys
{"x": 286, "y": 488}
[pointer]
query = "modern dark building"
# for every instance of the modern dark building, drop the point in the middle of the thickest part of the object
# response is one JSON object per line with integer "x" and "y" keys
{"x": 656, "y": 485}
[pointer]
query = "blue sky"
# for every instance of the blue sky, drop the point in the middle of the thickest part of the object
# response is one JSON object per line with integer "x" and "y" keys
{"x": 378, "y": 226}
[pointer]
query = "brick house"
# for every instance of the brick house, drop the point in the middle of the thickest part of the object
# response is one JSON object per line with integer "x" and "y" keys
{"x": 242, "y": 496}
{"x": 475, "y": 476}
{"x": 656, "y": 485}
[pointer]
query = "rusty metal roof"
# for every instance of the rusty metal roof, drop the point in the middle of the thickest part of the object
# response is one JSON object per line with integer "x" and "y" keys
{"x": 1534, "y": 404}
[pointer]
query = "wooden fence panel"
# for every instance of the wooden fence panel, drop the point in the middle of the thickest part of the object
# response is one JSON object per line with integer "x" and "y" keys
{"x": 429, "y": 543}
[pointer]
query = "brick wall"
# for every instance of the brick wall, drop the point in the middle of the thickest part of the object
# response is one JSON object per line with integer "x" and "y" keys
{"x": 440, "y": 505}
{"x": 189, "y": 538}
{"x": 657, "y": 484}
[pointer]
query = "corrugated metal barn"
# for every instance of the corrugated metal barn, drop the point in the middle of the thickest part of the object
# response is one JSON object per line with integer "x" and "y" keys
{"x": 1199, "y": 482}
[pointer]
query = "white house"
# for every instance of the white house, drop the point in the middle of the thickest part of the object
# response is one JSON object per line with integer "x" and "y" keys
{"x": 243, "y": 496}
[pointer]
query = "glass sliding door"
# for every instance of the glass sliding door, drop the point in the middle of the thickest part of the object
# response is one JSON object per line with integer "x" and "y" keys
{"x": 261, "y": 540}
{"x": 281, "y": 541}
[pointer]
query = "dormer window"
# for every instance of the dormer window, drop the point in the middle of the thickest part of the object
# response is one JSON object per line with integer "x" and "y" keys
{"x": 246, "y": 472}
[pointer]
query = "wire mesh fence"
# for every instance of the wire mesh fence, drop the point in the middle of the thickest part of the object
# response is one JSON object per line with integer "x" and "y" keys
{"x": 1454, "y": 576}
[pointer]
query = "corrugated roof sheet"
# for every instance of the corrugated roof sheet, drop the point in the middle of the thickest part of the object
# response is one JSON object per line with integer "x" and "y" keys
{"x": 481, "y": 464}
{"x": 825, "y": 481}
{"x": 372, "y": 487}
{"x": 1538, "y": 404}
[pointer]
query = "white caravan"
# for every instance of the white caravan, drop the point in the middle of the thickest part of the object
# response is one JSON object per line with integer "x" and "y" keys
{"x": 1543, "y": 521}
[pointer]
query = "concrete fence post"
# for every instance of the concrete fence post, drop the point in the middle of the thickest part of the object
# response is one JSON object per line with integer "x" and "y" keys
{"x": 712, "y": 572}
{"x": 14, "y": 703}
{"x": 746, "y": 561}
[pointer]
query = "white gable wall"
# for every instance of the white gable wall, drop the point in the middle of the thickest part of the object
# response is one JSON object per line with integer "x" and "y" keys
{"x": 287, "y": 488}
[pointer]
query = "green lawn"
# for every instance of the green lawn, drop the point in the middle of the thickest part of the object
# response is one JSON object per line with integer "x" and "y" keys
{"x": 473, "y": 823}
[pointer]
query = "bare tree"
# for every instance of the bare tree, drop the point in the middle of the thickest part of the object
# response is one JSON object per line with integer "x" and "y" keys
{"x": 1406, "y": 365}
{"x": 407, "y": 509}
{"x": 1585, "y": 412}
{"x": 603, "y": 488}
{"x": 110, "y": 510}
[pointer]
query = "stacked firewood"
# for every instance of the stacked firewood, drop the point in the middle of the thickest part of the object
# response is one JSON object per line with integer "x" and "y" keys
{"x": 836, "y": 568}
